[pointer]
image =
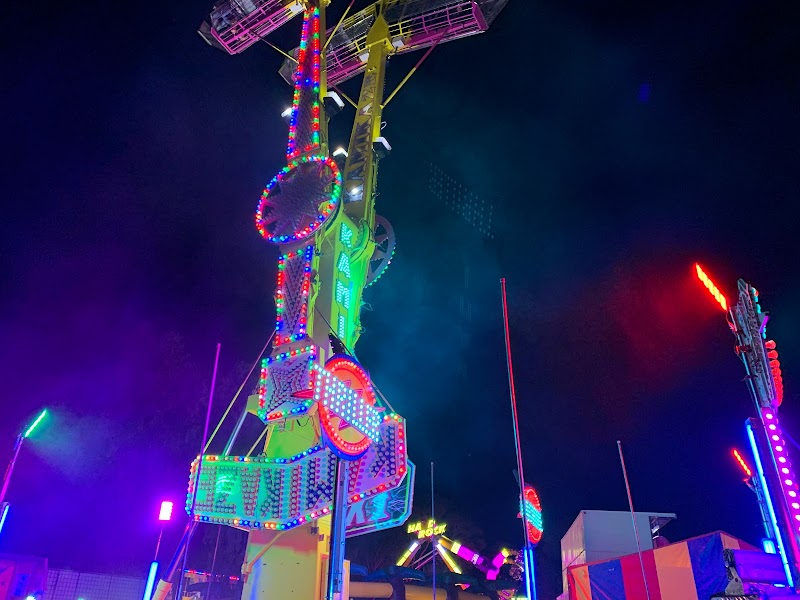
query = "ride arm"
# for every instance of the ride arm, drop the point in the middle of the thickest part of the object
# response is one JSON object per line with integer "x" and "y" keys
{"x": 347, "y": 247}
{"x": 359, "y": 170}
{"x": 463, "y": 552}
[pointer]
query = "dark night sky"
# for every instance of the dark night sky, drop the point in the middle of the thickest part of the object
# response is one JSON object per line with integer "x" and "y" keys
{"x": 618, "y": 142}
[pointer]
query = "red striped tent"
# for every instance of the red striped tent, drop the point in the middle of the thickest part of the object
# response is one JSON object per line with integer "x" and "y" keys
{"x": 689, "y": 570}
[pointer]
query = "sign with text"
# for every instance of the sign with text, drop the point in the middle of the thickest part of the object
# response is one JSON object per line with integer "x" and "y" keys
{"x": 426, "y": 529}
{"x": 281, "y": 493}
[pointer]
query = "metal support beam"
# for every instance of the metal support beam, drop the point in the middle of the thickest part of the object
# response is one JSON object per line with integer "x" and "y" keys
{"x": 336, "y": 561}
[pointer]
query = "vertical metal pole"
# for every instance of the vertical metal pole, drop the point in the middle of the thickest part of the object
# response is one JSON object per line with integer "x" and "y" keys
{"x": 633, "y": 518}
{"x": 158, "y": 543}
{"x": 530, "y": 567}
{"x": 755, "y": 482}
{"x": 213, "y": 562}
{"x": 338, "y": 522}
{"x": 433, "y": 536}
{"x": 233, "y": 400}
{"x": 530, "y": 582}
{"x": 10, "y": 468}
{"x": 190, "y": 531}
{"x": 164, "y": 586}
{"x": 235, "y": 433}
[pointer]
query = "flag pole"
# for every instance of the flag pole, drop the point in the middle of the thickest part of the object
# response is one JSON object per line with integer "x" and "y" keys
{"x": 190, "y": 530}
{"x": 433, "y": 538}
{"x": 633, "y": 518}
{"x": 530, "y": 583}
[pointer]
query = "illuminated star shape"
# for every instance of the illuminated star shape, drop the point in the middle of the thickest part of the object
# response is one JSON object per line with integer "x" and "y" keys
{"x": 287, "y": 378}
{"x": 294, "y": 202}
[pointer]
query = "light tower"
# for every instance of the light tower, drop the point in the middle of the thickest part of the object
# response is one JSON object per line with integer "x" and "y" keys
{"x": 332, "y": 443}
{"x": 776, "y": 477}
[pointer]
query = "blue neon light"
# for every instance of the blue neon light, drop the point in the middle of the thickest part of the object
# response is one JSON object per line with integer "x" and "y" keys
{"x": 3, "y": 514}
{"x": 151, "y": 580}
{"x": 769, "y": 546}
{"x": 770, "y": 508}
{"x": 530, "y": 576}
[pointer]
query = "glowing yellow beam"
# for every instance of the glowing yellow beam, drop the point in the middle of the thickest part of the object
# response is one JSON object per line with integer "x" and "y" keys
{"x": 451, "y": 564}
{"x": 407, "y": 554}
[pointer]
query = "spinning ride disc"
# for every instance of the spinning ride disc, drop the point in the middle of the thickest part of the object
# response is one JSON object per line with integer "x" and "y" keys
{"x": 344, "y": 439}
{"x": 385, "y": 243}
{"x": 299, "y": 199}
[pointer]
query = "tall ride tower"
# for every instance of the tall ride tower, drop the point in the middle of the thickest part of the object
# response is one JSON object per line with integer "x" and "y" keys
{"x": 334, "y": 457}
{"x": 778, "y": 490}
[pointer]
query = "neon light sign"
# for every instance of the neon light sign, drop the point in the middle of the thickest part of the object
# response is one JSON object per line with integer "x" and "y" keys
{"x": 533, "y": 514}
{"x": 426, "y": 529}
{"x": 348, "y": 416}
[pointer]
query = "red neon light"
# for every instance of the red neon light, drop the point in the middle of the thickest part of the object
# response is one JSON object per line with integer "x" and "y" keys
{"x": 775, "y": 367}
{"x": 533, "y": 510}
{"x": 741, "y": 462}
{"x": 345, "y": 439}
{"x": 713, "y": 289}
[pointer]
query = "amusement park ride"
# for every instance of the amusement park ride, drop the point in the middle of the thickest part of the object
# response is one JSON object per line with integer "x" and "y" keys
{"x": 431, "y": 540}
{"x": 334, "y": 462}
{"x": 774, "y": 480}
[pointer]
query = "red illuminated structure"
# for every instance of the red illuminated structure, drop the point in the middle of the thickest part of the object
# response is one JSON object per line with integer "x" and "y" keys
{"x": 775, "y": 368}
{"x": 533, "y": 514}
{"x": 776, "y": 483}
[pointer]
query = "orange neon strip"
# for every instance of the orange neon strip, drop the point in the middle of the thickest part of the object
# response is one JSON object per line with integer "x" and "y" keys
{"x": 741, "y": 462}
{"x": 713, "y": 289}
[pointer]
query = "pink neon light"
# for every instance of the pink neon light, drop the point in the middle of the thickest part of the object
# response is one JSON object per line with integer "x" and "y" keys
{"x": 467, "y": 554}
{"x": 165, "y": 514}
{"x": 785, "y": 466}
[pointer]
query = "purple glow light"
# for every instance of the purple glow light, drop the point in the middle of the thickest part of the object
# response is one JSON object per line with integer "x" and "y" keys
{"x": 784, "y": 465}
{"x": 165, "y": 514}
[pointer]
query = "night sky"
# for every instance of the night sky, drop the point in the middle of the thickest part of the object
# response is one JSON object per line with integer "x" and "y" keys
{"x": 618, "y": 142}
